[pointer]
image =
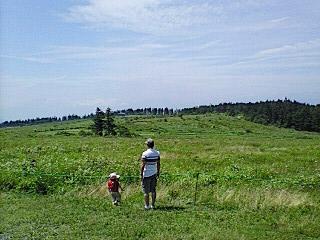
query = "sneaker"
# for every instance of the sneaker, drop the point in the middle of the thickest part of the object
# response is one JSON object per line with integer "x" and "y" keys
{"x": 152, "y": 207}
{"x": 146, "y": 207}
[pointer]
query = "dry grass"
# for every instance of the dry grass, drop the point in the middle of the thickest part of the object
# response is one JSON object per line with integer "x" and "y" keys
{"x": 180, "y": 194}
{"x": 242, "y": 149}
{"x": 257, "y": 198}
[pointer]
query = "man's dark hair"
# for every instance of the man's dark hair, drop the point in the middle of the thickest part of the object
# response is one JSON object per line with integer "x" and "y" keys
{"x": 150, "y": 143}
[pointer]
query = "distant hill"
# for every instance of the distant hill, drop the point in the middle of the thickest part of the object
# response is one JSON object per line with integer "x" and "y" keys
{"x": 281, "y": 113}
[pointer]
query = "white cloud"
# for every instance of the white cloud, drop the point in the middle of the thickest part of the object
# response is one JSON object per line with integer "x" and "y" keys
{"x": 260, "y": 25}
{"x": 301, "y": 47}
{"x": 69, "y": 53}
{"x": 277, "y": 20}
{"x": 174, "y": 17}
{"x": 147, "y": 16}
{"x": 302, "y": 54}
{"x": 93, "y": 102}
{"x": 26, "y": 58}
{"x": 149, "y": 50}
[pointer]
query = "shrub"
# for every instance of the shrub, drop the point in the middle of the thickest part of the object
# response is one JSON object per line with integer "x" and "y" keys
{"x": 64, "y": 133}
{"x": 84, "y": 133}
{"x": 123, "y": 131}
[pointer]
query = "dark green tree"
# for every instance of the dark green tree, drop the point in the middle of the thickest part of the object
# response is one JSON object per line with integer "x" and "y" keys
{"x": 166, "y": 111}
{"x": 98, "y": 122}
{"x": 109, "y": 125}
{"x": 154, "y": 111}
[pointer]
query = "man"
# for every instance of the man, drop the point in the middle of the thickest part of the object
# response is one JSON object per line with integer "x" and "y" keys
{"x": 150, "y": 170}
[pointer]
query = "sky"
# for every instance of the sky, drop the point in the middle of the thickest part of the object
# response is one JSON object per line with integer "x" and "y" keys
{"x": 69, "y": 57}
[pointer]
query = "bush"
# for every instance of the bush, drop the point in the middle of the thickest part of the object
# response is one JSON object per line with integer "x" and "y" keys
{"x": 8, "y": 181}
{"x": 64, "y": 133}
{"x": 85, "y": 133}
{"x": 123, "y": 131}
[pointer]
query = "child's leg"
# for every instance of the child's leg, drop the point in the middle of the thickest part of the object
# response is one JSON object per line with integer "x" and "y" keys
{"x": 114, "y": 197}
{"x": 118, "y": 197}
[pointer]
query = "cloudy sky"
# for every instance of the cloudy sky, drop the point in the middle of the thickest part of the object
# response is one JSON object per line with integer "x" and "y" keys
{"x": 63, "y": 57}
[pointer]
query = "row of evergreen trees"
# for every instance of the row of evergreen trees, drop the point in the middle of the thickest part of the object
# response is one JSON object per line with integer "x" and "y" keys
{"x": 37, "y": 120}
{"x": 146, "y": 111}
{"x": 129, "y": 111}
{"x": 282, "y": 113}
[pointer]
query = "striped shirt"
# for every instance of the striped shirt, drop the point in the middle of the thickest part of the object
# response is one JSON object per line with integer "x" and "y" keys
{"x": 151, "y": 158}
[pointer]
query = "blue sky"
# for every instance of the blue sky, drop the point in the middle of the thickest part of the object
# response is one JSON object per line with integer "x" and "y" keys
{"x": 63, "y": 57}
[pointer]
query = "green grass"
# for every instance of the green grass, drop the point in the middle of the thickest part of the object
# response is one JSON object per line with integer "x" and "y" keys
{"x": 79, "y": 217}
{"x": 255, "y": 182}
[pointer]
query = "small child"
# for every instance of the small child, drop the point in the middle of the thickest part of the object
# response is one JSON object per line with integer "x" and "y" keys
{"x": 113, "y": 187}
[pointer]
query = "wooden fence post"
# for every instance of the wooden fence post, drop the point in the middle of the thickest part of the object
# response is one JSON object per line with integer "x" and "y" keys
{"x": 196, "y": 189}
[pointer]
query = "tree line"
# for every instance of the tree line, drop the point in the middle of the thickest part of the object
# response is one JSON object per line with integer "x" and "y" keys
{"x": 124, "y": 112}
{"x": 281, "y": 113}
{"x": 32, "y": 121}
{"x": 146, "y": 111}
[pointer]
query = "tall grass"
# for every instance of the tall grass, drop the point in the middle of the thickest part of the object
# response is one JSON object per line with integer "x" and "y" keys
{"x": 254, "y": 182}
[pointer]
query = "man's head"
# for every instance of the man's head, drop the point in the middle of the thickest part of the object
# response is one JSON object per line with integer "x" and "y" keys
{"x": 150, "y": 143}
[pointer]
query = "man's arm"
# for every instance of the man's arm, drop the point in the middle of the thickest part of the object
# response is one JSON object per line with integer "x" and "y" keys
{"x": 143, "y": 163}
{"x": 158, "y": 167}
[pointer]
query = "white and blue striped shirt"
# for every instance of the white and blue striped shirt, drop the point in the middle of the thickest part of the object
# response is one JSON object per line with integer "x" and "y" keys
{"x": 151, "y": 158}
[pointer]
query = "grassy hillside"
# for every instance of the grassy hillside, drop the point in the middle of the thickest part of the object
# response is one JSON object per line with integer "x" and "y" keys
{"x": 255, "y": 182}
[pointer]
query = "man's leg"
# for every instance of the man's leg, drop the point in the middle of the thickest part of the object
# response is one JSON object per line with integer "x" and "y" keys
{"x": 146, "y": 190}
{"x": 153, "y": 198}
{"x": 153, "y": 185}
{"x": 146, "y": 199}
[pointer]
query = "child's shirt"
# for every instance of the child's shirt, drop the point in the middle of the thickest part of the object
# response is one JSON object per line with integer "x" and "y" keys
{"x": 113, "y": 185}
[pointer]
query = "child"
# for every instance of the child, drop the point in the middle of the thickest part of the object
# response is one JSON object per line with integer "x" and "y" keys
{"x": 113, "y": 187}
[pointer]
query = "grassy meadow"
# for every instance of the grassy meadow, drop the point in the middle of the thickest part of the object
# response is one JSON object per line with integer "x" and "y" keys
{"x": 221, "y": 178}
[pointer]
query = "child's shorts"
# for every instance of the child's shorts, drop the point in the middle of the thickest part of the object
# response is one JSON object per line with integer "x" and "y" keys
{"x": 116, "y": 197}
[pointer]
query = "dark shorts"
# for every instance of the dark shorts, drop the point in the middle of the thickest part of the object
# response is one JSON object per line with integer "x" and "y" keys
{"x": 149, "y": 184}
